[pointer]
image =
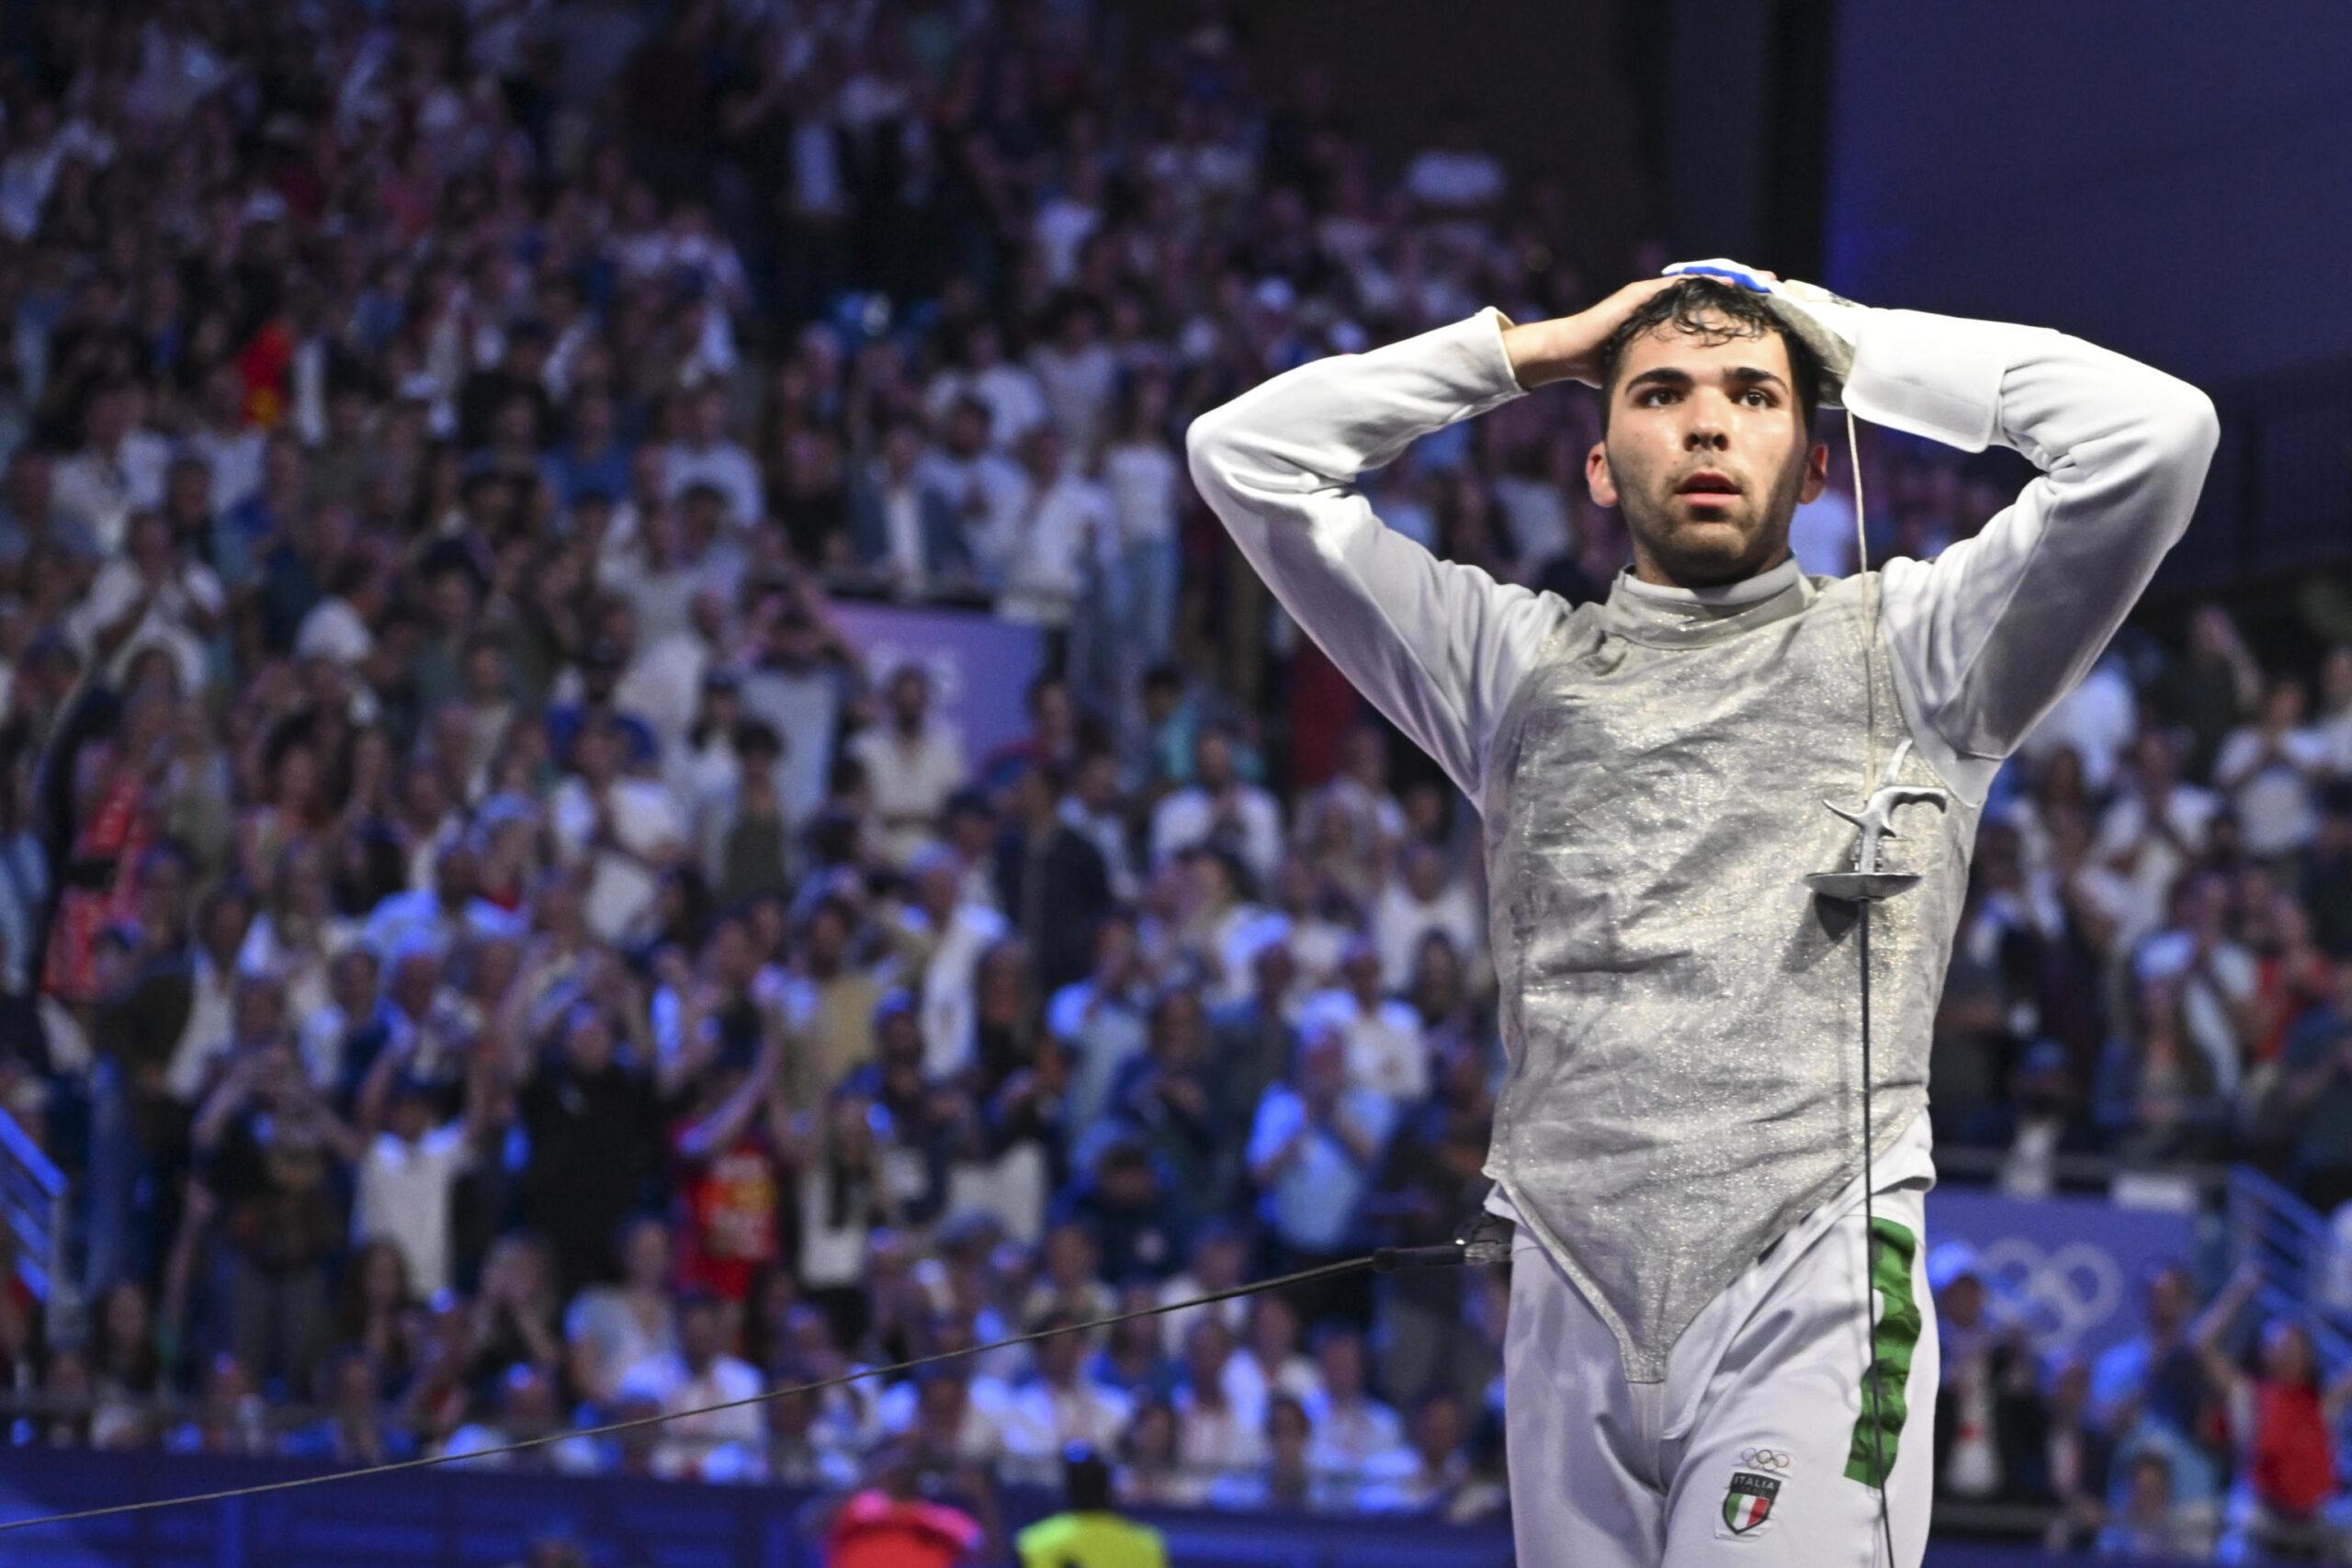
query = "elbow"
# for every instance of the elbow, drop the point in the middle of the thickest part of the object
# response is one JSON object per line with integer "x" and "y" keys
{"x": 1201, "y": 437}
{"x": 2198, "y": 425}
{"x": 2183, "y": 422}
{"x": 2207, "y": 424}
{"x": 1209, "y": 453}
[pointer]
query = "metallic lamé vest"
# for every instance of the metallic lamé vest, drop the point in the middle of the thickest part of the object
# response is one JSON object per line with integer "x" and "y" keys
{"x": 1682, "y": 1015}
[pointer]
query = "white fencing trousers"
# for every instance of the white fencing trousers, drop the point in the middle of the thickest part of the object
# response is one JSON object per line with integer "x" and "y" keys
{"x": 1752, "y": 1452}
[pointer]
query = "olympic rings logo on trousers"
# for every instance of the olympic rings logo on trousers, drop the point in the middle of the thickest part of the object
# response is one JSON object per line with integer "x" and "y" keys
{"x": 1766, "y": 1459}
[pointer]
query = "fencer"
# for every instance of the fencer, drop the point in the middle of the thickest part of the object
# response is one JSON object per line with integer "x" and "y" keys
{"x": 1694, "y": 1311}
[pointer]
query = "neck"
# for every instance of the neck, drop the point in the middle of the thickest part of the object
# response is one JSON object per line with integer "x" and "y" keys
{"x": 1647, "y": 569}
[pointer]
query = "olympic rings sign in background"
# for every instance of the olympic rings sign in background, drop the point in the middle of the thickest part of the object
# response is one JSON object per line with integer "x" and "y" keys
{"x": 2069, "y": 1269}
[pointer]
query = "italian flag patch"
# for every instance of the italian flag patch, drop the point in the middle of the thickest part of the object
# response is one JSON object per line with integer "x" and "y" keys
{"x": 1749, "y": 1501}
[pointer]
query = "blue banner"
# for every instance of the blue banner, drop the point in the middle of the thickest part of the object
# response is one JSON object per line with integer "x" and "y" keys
{"x": 980, "y": 666}
{"x": 2069, "y": 1267}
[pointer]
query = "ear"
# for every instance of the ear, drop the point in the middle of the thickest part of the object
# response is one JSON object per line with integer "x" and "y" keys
{"x": 1596, "y": 478}
{"x": 1817, "y": 472}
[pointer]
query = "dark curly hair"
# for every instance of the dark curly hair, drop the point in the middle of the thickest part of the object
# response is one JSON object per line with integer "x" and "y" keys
{"x": 1714, "y": 312}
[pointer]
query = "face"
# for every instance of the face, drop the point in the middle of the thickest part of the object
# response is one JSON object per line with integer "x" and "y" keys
{"x": 1273, "y": 1328}
{"x": 1437, "y": 1426}
{"x": 2169, "y": 1299}
{"x": 126, "y": 1314}
{"x": 1322, "y": 1064}
{"x": 1060, "y": 1355}
{"x": 1205, "y": 1348}
{"x": 910, "y": 697}
{"x": 1098, "y": 781}
{"x": 1683, "y": 406}
{"x": 2286, "y": 1353}
{"x": 1341, "y": 1359}
{"x": 588, "y": 1043}
{"x": 700, "y": 1333}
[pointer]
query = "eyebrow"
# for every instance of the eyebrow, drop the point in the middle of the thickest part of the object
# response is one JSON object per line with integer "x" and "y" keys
{"x": 1666, "y": 376}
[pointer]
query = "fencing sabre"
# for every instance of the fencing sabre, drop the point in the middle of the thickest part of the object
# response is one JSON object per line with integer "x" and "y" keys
{"x": 1865, "y": 885}
{"x": 1807, "y": 312}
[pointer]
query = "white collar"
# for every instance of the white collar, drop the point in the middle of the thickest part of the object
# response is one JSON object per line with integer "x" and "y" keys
{"x": 1747, "y": 590}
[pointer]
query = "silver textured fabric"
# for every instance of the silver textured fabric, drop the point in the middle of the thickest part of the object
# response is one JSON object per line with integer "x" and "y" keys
{"x": 1682, "y": 1015}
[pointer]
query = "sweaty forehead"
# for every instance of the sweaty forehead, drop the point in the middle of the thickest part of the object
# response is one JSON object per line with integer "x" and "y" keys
{"x": 1729, "y": 345}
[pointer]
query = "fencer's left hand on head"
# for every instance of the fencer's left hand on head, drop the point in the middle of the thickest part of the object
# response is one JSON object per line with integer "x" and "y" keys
{"x": 1828, "y": 324}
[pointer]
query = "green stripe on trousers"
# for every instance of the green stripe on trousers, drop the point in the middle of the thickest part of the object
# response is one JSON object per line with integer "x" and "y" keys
{"x": 1892, "y": 1338}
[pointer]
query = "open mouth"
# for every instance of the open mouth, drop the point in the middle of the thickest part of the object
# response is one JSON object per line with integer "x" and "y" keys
{"x": 1708, "y": 487}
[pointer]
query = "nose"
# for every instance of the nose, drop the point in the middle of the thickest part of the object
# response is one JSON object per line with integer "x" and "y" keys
{"x": 1708, "y": 422}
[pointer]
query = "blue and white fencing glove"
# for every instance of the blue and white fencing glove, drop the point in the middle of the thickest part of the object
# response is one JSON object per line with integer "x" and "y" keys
{"x": 1827, "y": 323}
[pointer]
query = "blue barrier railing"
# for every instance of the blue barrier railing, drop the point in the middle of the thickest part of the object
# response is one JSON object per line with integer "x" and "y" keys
{"x": 33, "y": 1207}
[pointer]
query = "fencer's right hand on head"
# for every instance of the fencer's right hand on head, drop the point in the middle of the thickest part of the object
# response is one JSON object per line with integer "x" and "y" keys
{"x": 1567, "y": 348}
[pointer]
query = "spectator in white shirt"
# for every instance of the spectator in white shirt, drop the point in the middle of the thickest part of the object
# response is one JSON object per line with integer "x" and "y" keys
{"x": 986, "y": 490}
{"x": 1079, "y": 376}
{"x": 697, "y": 1374}
{"x": 1213, "y": 1433}
{"x": 610, "y": 1328}
{"x": 228, "y": 1012}
{"x": 1220, "y": 808}
{"x": 913, "y": 761}
{"x": 626, "y": 831}
{"x": 1225, "y": 926}
{"x": 708, "y": 456}
{"x": 153, "y": 595}
{"x": 528, "y": 1409}
{"x": 954, "y": 1414}
{"x": 2155, "y": 828}
{"x": 2218, "y": 980}
{"x": 411, "y": 1166}
{"x": 1424, "y": 1476}
{"x": 229, "y": 448}
{"x": 1061, "y": 1404}
{"x": 1289, "y": 1477}
{"x": 950, "y": 931}
{"x": 1146, "y": 478}
{"x": 1066, "y": 218}
{"x": 2335, "y": 724}
{"x": 1065, "y": 548}
{"x": 1220, "y": 1262}
{"x": 118, "y": 468}
{"x": 1016, "y": 404}
{"x": 2271, "y": 771}
{"x": 1351, "y": 1429}
{"x": 1424, "y": 899}
{"x": 1313, "y": 929}
{"x": 1353, "y": 825}
{"x": 337, "y": 626}
{"x": 1384, "y": 1048}
{"x": 1268, "y": 1360}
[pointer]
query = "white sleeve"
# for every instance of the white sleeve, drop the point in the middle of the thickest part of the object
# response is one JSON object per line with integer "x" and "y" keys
{"x": 1991, "y": 634}
{"x": 1436, "y": 645}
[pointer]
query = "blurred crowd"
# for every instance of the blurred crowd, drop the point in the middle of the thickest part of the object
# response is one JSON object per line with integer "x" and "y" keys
{"x": 2209, "y": 1435}
{"x": 494, "y": 956}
